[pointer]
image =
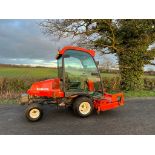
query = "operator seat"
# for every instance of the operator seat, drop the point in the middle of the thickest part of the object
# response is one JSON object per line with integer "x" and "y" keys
{"x": 90, "y": 85}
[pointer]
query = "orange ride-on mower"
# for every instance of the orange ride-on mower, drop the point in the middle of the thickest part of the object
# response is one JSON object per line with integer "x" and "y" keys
{"x": 78, "y": 86}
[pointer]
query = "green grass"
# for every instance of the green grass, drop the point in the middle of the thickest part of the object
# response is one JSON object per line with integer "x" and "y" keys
{"x": 110, "y": 75}
{"x": 40, "y": 73}
{"x": 9, "y": 101}
{"x": 142, "y": 93}
{"x": 149, "y": 76}
{"x": 32, "y": 72}
{"x": 27, "y": 72}
{"x": 130, "y": 94}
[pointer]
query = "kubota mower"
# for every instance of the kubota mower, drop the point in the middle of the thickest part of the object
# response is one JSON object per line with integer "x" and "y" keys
{"x": 78, "y": 86}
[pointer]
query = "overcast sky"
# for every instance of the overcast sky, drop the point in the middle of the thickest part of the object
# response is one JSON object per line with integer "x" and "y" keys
{"x": 21, "y": 42}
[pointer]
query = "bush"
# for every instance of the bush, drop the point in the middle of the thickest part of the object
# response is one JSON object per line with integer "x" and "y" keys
{"x": 111, "y": 84}
{"x": 13, "y": 87}
{"x": 149, "y": 84}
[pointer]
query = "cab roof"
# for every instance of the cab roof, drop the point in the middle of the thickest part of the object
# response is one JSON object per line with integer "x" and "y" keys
{"x": 62, "y": 51}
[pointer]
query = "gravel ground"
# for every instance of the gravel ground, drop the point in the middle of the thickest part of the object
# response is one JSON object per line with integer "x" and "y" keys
{"x": 136, "y": 117}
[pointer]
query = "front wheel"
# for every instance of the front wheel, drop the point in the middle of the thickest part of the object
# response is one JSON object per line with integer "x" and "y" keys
{"x": 34, "y": 112}
{"x": 83, "y": 106}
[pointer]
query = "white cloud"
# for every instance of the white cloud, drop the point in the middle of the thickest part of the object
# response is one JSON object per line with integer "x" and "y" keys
{"x": 32, "y": 62}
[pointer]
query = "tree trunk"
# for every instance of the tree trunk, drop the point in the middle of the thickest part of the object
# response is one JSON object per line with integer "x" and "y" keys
{"x": 131, "y": 71}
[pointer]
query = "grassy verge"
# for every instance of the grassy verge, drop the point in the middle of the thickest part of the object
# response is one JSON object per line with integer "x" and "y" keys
{"x": 129, "y": 94}
{"x": 142, "y": 93}
{"x": 8, "y": 101}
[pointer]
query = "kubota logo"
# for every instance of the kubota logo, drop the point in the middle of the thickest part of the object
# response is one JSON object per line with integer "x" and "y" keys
{"x": 42, "y": 88}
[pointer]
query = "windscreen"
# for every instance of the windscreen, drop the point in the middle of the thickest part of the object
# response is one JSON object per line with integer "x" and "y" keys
{"x": 80, "y": 71}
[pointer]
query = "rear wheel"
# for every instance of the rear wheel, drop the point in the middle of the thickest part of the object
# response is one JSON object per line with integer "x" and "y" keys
{"x": 83, "y": 106}
{"x": 34, "y": 112}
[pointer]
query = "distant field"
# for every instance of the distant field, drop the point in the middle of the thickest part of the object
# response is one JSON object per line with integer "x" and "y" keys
{"x": 16, "y": 80}
{"x": 149, "y": 76}
{"x": 109, "y": 75}
{"x": 32, "y": 72}
{"x": 27, "y": 72}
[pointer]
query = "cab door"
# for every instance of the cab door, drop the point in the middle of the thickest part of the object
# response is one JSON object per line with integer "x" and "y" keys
{"x": 80, "y": 72}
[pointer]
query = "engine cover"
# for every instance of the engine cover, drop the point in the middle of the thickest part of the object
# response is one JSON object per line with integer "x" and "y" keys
{"x": 47, "y": 88}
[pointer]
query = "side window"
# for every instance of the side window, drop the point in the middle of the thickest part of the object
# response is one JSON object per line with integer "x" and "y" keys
{"x": 73, "y": 68}
{"x": 81, "y": 72}
{"x": 73, "y": 74}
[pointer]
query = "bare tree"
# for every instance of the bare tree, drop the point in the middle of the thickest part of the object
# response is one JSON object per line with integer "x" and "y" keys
{"x": 84, "y": 31}
{"x": 128, "y": 39}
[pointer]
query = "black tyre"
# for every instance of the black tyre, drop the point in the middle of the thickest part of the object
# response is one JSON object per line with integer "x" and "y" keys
{"x": 83, "y": 106}
{"x": 34, "y": 112}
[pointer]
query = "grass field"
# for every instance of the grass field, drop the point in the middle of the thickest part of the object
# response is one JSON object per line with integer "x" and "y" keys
{"x": 14, "y": 80}
{"x": 38, "y": 73}
{"x": 32, "y": 72}
{"x": 27, "y": 72}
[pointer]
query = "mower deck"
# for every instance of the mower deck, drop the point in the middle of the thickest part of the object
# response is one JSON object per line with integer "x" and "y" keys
{"x": 109, "y": 101}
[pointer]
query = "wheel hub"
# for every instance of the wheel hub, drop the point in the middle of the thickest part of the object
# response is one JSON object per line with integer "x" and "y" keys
{"x": 34, "y": 113}
{"x": 84, "y": 107}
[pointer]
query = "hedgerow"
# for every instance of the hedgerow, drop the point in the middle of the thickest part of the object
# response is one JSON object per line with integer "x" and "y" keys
{"x": 12, "y": 88}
